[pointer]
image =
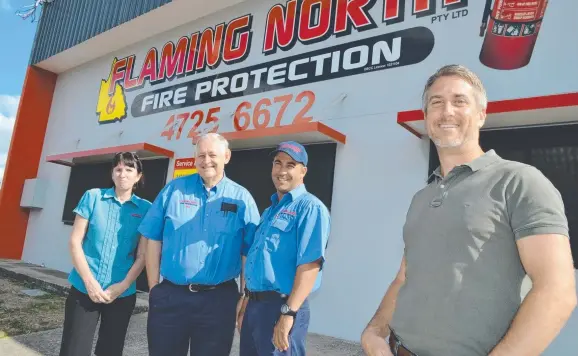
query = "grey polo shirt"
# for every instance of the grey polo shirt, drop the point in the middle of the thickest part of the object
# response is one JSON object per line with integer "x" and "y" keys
{"x": 463, "y": 269}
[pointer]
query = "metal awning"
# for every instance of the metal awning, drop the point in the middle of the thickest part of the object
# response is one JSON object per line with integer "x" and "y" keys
{"x": 307, "y": 133}
{"x": 533, "y": 111}
{"x": 143, "y": 150}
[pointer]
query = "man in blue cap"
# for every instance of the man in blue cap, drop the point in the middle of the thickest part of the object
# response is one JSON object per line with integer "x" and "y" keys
{"x": 284, "y": 261}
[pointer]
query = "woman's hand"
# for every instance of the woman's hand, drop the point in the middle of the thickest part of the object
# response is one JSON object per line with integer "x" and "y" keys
{"x": 114, "y": 291}
{"x": 95, "y": 292}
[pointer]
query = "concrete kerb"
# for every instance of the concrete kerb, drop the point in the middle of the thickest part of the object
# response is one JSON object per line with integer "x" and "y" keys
{"x": 50, "y": 280}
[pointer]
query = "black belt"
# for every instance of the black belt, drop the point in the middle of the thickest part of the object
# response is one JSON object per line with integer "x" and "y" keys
{"x": 203, "y": 287}
{"x": 262, "y": 296}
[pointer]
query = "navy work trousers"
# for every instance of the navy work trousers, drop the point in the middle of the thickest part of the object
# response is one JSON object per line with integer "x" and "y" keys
{"x": 258, "y": 324}
{"x": 204, "y": 320}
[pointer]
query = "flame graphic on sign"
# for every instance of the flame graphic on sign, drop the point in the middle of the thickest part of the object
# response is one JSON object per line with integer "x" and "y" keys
{"x": 113, "y": 107}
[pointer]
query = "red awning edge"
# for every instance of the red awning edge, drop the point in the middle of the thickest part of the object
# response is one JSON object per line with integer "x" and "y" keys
{"x": 143, "y": 150}
{"x": 539, "y": 110}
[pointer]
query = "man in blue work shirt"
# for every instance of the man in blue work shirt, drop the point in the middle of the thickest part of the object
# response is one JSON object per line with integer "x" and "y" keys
{"x": 284, "y": 261}
{"x": 195, "y": 229}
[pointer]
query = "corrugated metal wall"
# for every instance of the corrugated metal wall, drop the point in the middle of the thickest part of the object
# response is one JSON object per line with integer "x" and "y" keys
{"x": 66, "y": 23}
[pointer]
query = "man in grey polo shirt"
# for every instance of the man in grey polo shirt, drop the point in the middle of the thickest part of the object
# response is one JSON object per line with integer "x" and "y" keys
{"x": 471, "y": 236}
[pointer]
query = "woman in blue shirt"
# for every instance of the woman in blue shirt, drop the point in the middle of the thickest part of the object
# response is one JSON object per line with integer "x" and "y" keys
{"x": 107, "y": 257}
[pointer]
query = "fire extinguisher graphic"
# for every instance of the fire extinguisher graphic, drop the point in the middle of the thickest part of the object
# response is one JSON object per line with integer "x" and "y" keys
{"x": 512, "y": 29}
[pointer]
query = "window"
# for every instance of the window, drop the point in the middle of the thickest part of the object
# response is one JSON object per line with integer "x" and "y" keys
{"x": 98, "y": 175}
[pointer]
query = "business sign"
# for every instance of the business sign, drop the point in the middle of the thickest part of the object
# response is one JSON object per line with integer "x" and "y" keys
{"x": 184, "y": 167}
{"x": 303, "y": 21}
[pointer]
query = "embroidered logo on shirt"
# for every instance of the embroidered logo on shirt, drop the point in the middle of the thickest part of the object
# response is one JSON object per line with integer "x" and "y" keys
{"x": 288, "y": 212}
{"x": 136, "y": 215}
{"x": 189, "y": 202}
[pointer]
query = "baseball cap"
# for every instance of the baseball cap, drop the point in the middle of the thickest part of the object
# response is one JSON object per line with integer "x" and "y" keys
{"x": 293, "y": 149}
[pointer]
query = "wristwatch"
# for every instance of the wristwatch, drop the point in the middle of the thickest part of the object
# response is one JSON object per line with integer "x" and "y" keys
{"x": 285, "y": 310}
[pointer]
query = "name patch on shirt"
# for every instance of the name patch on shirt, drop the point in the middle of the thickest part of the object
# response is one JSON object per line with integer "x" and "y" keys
{"x": 228, "y": 207}
{"x": 282, "y": 224}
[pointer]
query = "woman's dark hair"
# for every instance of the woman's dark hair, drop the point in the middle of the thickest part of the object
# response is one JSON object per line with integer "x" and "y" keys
{"x": 129, "y": 159}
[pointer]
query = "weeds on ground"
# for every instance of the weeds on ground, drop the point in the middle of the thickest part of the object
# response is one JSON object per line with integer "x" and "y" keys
{"x": 23, "y": 314}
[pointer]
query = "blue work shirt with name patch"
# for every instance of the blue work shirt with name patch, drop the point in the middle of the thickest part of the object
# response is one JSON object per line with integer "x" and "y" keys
{"x": 292, "y": 232}
{"x": 202, "y": 231}
{"x": 111, "y": 238}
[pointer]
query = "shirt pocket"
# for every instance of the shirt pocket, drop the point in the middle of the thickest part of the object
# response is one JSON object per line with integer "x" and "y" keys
{"x": 226, "y": 219}
{"x": 281, "y": 228}
{"x": 226, "y": 223}
{"x": 284, "y": 224}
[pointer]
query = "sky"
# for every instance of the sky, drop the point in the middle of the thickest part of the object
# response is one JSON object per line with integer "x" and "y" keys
{"x": 16, "y": 37}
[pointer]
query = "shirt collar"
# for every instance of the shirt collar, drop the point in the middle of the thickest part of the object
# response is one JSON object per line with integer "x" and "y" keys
{"x": 483, "y": 161}
{"x": 217, "y": 187}
{"x": 109, "y": 193}
{"x": 134, "y": 199}
{"x": 436, "y": 174}
{"x": 294, "y": 194}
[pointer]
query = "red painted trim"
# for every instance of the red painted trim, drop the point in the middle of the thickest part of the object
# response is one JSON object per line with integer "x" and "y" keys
{"x": 535, "y": 103}
{"x": 65, "y": 158}
{"x": 285, "y": 130}
{"x": 513, "y": 105}
{"x": 158, "y": 150}
{"x": 407, "y": 116}
{"x": 24, "y": 157}
{"x": 332, "y": 133}
{"x": 411, "y": 129}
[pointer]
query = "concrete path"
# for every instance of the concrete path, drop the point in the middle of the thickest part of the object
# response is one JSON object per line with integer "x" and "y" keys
{"x": 47, "y": 343}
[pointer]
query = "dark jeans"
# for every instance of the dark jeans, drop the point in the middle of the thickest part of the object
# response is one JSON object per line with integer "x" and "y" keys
{"x": 81, "y": 317}
{"x": 257, "y": 329}
{"x": 203, "y": 321}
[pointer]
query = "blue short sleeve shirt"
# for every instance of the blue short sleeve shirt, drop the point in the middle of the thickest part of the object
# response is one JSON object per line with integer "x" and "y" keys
{"x": 203, "y": 232}
{"x": 111, "y": 238}
{"x": 292, "y": 232}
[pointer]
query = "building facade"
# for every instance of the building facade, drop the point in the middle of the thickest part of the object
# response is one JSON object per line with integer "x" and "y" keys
{"x": 343, "y": 77}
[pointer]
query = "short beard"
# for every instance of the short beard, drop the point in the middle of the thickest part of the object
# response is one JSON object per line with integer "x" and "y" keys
{"x": 451, "y": 144}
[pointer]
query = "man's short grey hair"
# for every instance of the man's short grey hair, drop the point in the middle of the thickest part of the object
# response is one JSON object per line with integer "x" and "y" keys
{"x": 463, "y": 73}
{"x": 216, "y": 137}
